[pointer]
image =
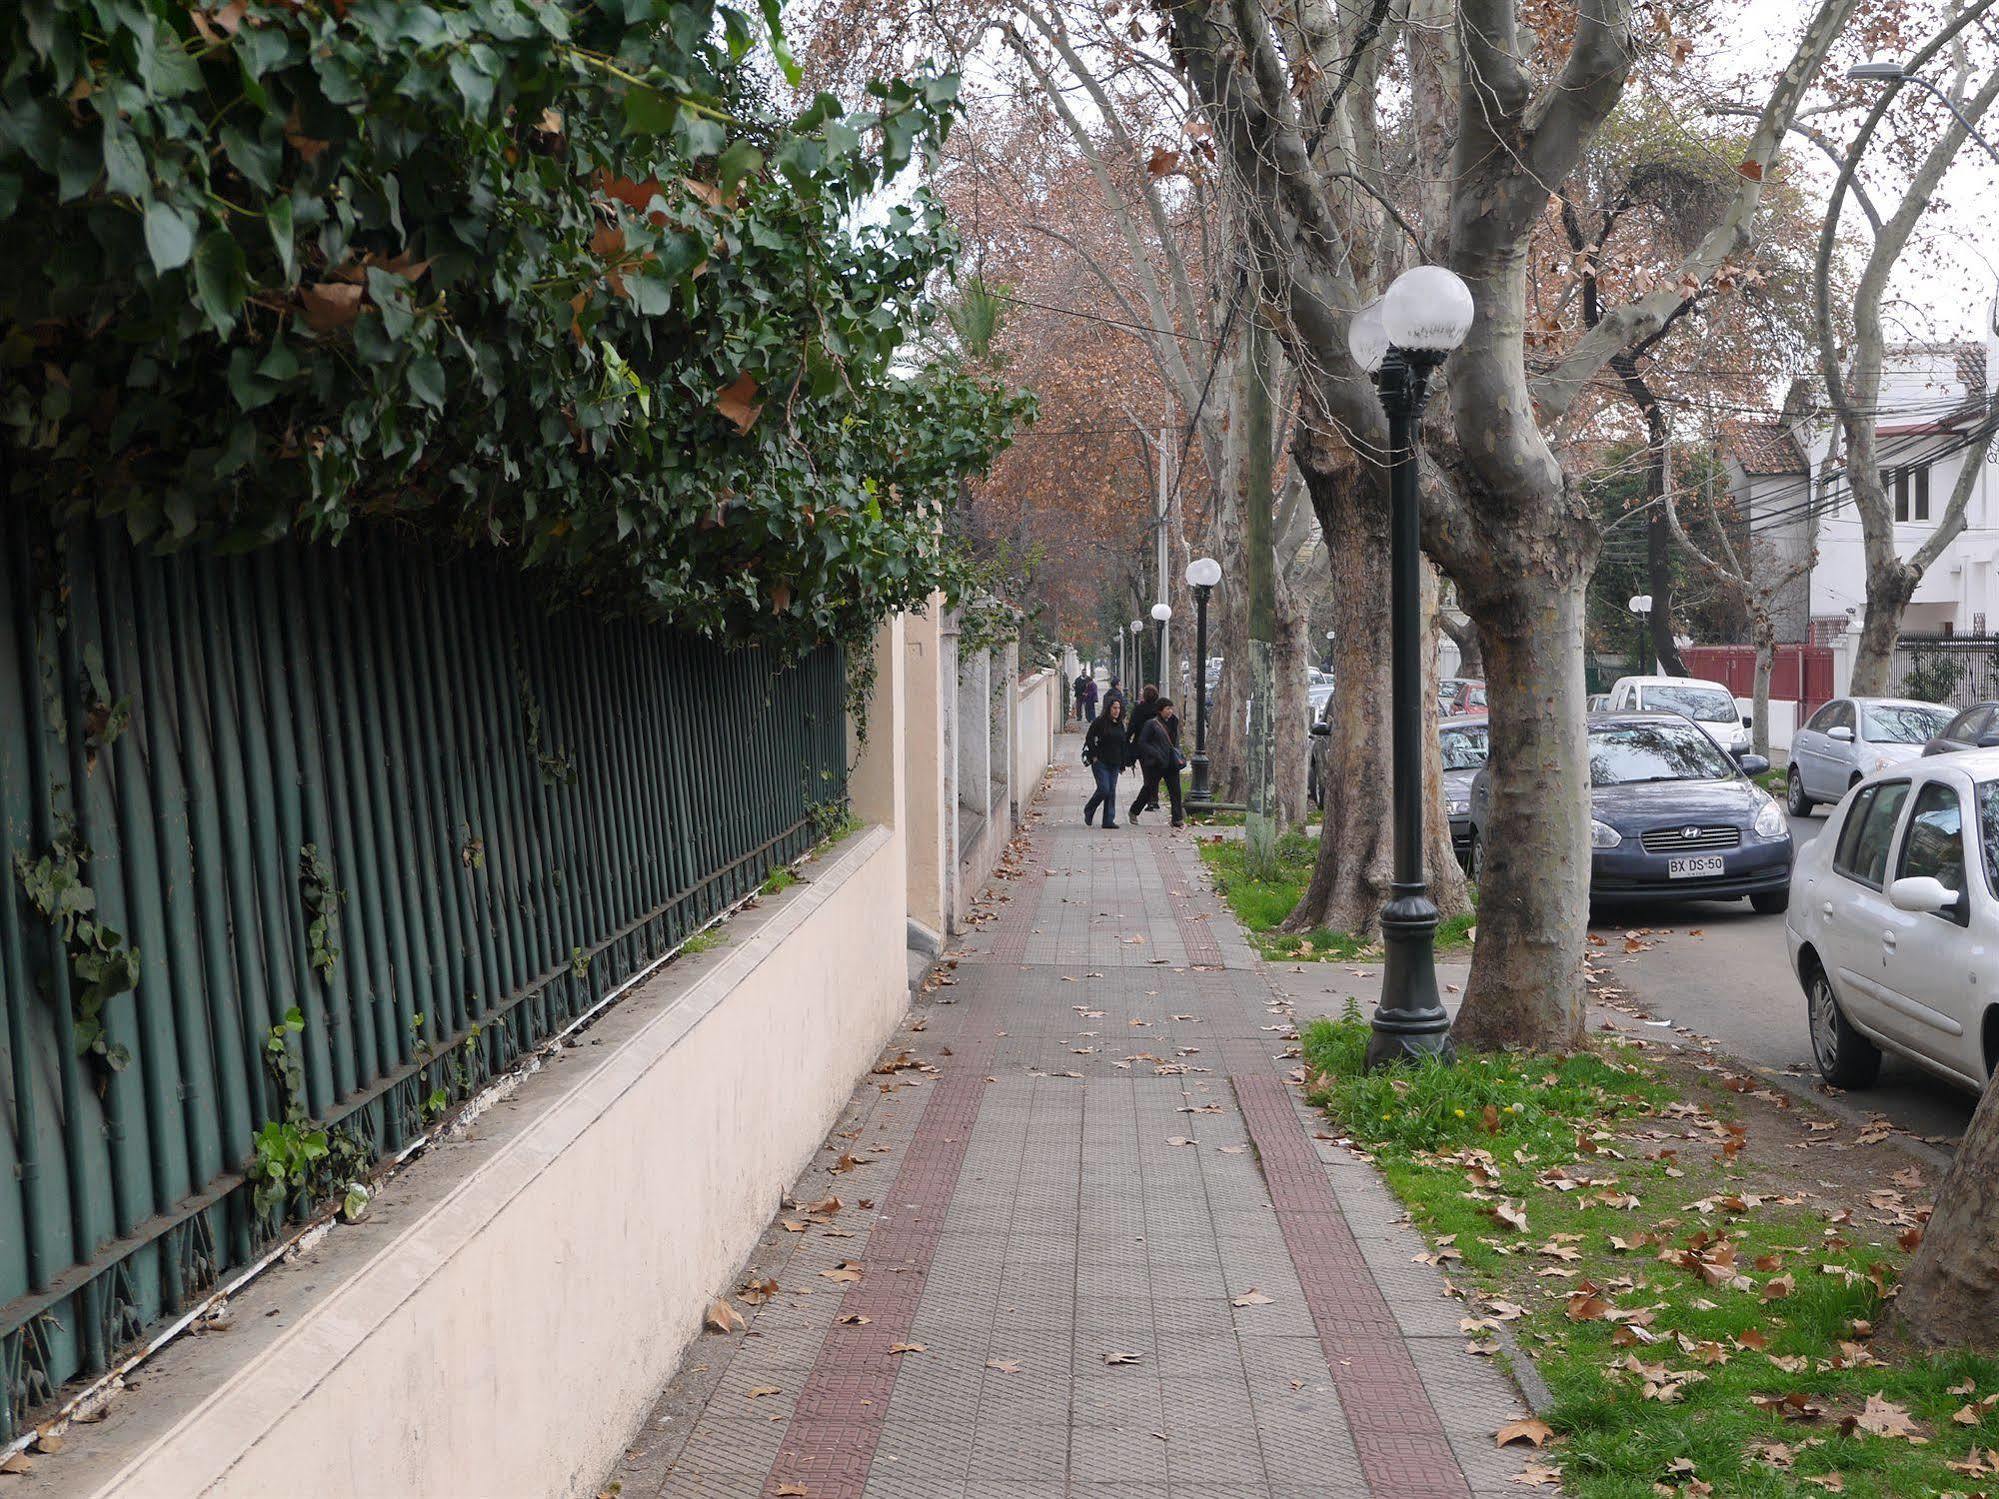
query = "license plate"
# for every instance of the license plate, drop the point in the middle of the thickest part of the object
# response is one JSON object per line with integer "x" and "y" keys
{"x": 1693, "y": 865}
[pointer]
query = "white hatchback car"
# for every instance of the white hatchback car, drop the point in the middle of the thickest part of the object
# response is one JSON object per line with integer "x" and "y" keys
{"x": 1893, "y": 925}
{"x": 1710, "y": 705}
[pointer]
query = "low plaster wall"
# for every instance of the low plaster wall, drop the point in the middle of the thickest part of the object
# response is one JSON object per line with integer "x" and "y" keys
{"x": 515, "y": 1324}
{"x": 1036, "y": 720}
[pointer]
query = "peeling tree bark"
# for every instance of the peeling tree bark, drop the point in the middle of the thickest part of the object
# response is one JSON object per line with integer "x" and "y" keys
{"x": 1949, "y": 1295}
{"x": 1351, "y": 877}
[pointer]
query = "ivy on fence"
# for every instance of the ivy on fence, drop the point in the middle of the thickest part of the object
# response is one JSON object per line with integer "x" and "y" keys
{"x": 554, "y": 278}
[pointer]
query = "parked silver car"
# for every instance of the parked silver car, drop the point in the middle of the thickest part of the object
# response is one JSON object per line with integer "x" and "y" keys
{"x": 1852, "y": 737}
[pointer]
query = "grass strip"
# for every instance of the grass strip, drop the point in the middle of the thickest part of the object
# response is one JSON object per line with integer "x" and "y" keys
{"x": 1705, "y": 1311}
{"x": 1262, "y": 904}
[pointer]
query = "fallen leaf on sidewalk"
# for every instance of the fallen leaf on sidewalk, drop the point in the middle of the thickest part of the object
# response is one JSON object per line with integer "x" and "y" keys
{"x": 1252, "y": 1297}
{"x": 1004, "y": 1365}
{"x": 757, "y": 1292}
{"x": 1534, "y": 1431}
{"x": 723, "y": 1318}
{"x": 853, "y": 1319}
{"x": 1538, "y": 1476}
{"x": 762, "y": 1390}
{"x": 792, "y": 1225}
{"x": 843, "y": 1272}
{"x": 791, "y": 1491}
{"x": 1178, "y": 1140}
{"x": 1122, "y": 1358}
{"x": 907, "y": 1348}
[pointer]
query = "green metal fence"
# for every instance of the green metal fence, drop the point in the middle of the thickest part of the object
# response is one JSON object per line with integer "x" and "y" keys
{"x": 506, "y": 812}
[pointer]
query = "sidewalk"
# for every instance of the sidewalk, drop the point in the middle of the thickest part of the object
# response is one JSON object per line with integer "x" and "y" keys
{"x": 1094, "y": 1247}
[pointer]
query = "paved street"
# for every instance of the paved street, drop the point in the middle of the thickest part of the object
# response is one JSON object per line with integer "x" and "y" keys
{"x": 1078, "y": 1236}
{"x": 1721, "y": 970}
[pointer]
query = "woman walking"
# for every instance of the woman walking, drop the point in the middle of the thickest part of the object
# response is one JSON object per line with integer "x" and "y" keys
{"x": 1105, "y": 752}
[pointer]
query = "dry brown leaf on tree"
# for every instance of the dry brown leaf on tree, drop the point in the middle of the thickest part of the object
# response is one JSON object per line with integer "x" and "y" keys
{"x": 739, "y": 404}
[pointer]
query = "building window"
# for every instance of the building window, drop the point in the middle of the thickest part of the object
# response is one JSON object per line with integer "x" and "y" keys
{"x": 1911, "y": 488}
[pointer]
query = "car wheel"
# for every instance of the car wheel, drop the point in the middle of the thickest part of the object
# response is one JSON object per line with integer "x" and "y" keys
{"x": 1846, "y": 1058}
{"x": 1475, "y": 858}
{"x": 1795, "y": 799}
{"x": 1770, "y": 902}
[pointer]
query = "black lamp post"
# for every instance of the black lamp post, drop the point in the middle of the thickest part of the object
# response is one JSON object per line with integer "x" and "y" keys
{"x": 1203, "y": 573}
{"x": 1400, "y": 340}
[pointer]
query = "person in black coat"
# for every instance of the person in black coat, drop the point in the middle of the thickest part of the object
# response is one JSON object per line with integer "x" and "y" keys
{"x": 1157, "y": 751}
{"x": 1106, "y": 750}
{"x": 1141, "y": 715}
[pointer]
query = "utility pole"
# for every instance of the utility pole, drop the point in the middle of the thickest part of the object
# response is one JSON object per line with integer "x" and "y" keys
{"x": 1260, "y": 823}
{"x": 1163, "y": 597}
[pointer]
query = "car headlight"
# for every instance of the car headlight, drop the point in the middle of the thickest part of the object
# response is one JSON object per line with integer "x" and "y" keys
{"x": 1457, "y": 809}
{"x": 1880, "y": 762}
{"x": 1770, "y": 822}
{"x": 1603, "y": 835}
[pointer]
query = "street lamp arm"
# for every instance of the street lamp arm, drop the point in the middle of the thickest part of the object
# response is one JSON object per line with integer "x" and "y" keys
{"x": 1952, "y": 105}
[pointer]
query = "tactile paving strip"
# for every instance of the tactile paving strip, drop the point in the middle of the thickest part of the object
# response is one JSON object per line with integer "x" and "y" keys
{"x": 1196, "y": 930}
{"x": 830, "y": 1445}
{"x": 1396, "y": 1431}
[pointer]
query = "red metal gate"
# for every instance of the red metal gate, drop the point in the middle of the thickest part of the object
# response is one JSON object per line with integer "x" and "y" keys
{"x": 1801, "y": 674}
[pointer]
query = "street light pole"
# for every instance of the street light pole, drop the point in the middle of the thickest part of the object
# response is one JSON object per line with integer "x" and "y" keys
{"x": 1203, "y": 573}
{"x": 1161, "y": 612}
{"x": 1402, "y": 339}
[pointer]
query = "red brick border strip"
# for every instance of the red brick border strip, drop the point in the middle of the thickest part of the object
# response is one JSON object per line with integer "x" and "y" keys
{"x": 1196, "y": 930}
{"x": 1011, "y": 932}
{"x": 830, "y": 1445}
{"x": 1396, "y": 1431}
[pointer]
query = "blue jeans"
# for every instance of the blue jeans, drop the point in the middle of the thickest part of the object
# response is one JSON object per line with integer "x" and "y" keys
{"x": 1106, "y": 796}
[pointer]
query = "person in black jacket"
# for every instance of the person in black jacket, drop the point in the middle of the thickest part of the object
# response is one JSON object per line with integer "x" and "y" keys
{"x": 1144, "y": 708}
{"x": 1105, "y": 751}
{"x": 1157, "y": 752}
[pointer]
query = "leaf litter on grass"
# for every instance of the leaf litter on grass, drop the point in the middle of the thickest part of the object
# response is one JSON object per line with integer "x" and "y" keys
{"x": 1701, "y": 1277}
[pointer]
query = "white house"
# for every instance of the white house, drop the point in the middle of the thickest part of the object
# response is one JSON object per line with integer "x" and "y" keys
{"x": 1787, "y": 476}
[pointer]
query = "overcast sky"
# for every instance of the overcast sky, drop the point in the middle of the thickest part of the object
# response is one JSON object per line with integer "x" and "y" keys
{"x": 1943, "y": 288}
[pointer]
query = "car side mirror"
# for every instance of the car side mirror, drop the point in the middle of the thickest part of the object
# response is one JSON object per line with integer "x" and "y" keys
{"x": 1748, "y": 722}
{"x": 1988, "y": 741}
{"x": 1752, "y": 765}
{"x": 1321, "y": 729}
{"x": 1842, "y": 733}
{"x": 1923, "y": 894}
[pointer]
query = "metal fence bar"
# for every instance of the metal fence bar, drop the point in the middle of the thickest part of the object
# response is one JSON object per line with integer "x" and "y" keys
{"x": 200, "y": 722}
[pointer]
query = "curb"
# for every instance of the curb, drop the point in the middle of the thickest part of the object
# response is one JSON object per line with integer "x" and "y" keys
{"x": 1798, "y": 1090}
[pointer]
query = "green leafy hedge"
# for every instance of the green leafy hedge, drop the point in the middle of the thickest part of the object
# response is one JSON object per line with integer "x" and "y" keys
{"x": 541, "y": 275}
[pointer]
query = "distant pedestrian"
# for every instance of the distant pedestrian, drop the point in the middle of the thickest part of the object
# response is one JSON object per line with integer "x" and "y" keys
{"x": 1157, "y": 752}
{"x": 1086, "y": 697}
{"x": 1115, "y": 694}
{"x": 1106, "y": 751}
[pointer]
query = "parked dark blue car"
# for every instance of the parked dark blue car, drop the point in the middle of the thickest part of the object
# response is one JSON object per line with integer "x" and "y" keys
{"x": 1671, "y": 817}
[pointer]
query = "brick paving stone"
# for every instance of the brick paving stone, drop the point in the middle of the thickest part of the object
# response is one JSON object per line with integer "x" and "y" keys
{"x": 1029, "y": 1215}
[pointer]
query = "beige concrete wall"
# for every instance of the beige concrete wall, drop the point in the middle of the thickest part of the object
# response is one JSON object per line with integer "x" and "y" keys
{"x": 1036, "y": 721}
{"x": 511, "y": 1337}
{"x": 928, "y": 786}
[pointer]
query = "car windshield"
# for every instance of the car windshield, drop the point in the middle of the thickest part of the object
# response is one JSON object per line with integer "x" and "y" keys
{"x": 1703, "y": 704}
{"x": 1902, "y": 723}
{"x": 1626, "y": 754}
{"x": 1463, "y": 749}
